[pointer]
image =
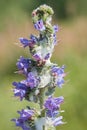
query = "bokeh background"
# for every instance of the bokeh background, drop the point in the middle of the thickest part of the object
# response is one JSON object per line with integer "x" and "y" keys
{"x": 15, "y": 22}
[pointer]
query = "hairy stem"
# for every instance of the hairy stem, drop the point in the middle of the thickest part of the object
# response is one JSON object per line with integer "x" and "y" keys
{"x": 41, "y": 98}
{"x": 44, "y": 127}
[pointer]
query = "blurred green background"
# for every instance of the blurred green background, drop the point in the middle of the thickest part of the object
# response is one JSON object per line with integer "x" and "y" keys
{"x": 15, "y": 21}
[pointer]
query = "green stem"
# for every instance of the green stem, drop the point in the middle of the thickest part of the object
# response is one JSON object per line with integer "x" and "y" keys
{"x": 43, "y": 127}
{"x": 41, "y": 98}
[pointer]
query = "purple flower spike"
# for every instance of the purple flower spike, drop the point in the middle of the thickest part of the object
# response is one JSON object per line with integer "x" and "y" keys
{"x": 41, "y": 76}
{"x": 39, "y": 25}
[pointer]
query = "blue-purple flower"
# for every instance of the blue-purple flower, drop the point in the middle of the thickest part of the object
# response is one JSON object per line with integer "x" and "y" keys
{"x": 19, "y": 93}
{"x": 52, "y": 114}
{"x": 19, "y": 90}
{"x": 58, "y": 121}
{"x": 21, "y": 123}
{"x": 32, "y": 80}
{"x": 33, "y": 38}
{"x": 52, "y": 105}
{"x": 47, "y": 56}
{"x": 60, "y": 81}
{"x": 54, "y": 39}
{"x": 25, "y": 116}
{"x": 55, "y": 28}
{"x": 58, "y": 70}
{"x": 25, "y": 87}
{"x": 37, "y": 57}
{"x": 24, "y": 64}
{"x": 59, "y": 74}
{"x": 40, "y": 75}
{"x": 25, "y": 42}
{"x": 39, "y": 25}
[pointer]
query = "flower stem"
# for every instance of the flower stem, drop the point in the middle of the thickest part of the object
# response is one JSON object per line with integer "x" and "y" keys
{"x": 41, "y": 98}
{"x": 43, "y": 127}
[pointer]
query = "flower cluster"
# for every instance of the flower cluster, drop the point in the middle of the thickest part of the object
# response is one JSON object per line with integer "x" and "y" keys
{"x": 59, "y": 74}
{"x": 23, "y": 88}
{"x": 41, "y": 76}
{"x": 52, "y": 105}
{"x": 23, "y": 65}
{"x": 26, "y": 117}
